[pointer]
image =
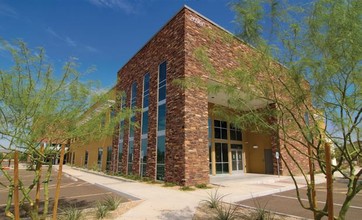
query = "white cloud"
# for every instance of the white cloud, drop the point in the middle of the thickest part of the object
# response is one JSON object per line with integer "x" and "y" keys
{"x": 70, "y": 42}
{"x": 91, "y": 49}
{"x": 8, "y": 11}
{"x": 53, "y": 33}
{"x": 123, "y": 5}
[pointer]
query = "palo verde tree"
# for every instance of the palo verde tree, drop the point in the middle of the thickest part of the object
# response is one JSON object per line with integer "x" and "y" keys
{"x": 38, "y": 106}
{"x": 305, "y": 64}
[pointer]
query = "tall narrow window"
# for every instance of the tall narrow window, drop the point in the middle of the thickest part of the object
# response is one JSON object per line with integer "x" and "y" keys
{"x": 209, "y": 144}
{"x": 161, "y": 122}
{"x": 100, "y": 157}
{"x": 144, "y": 127}
{"x": 109, "y": 157}
{"x": 222, "y": 160}
{"x": 86, "y": 159}
{"x": 121, "y": 130}
{"x": 132, "y": 127}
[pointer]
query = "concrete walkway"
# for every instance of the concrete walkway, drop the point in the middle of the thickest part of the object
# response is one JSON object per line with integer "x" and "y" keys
{"x": 170, "y": 203}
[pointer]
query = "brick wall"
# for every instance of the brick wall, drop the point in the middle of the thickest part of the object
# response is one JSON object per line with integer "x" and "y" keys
{"x": 166, "y": 45}
{"x": 186, "y": 159}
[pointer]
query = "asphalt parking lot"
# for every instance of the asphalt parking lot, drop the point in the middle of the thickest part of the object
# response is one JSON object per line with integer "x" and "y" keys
{"x": 287, "y": 203}
{"x": 73, "y": 192}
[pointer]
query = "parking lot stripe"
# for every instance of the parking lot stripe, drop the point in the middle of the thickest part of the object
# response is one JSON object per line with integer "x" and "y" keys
{"x": 289, "y": 197}
{"x": 81, "y": 196}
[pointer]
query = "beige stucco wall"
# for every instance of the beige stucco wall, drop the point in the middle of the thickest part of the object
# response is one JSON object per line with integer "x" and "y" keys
{"x": 254, "y": 145}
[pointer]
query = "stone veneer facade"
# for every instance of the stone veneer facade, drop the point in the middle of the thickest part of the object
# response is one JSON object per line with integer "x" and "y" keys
{"x": 187, "y": 156}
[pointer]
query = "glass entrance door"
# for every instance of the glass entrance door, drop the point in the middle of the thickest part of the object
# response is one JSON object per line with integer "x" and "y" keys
{"x": 237, "y": 157}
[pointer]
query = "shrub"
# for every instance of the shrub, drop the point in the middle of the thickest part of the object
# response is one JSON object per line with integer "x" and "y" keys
{"x": 186, "y": 188}
{"x": 169, "y": 184}
{"x": 112, "y": 202}
{"x": 101, "y": 210}
{"x": 227, "y": 212}
{"x": 202, "y": 186}
{"x": 260, "y": 212}
{"x": 71, "y": 213}
{"x": 214, "y": 199}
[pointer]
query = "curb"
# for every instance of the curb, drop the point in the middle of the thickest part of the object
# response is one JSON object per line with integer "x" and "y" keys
{"x": 104, "y": 175}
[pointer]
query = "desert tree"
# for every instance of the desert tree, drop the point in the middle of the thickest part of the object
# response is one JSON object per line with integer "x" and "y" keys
{"x": 305, "y": 64}
{"x": 41, "y": 110}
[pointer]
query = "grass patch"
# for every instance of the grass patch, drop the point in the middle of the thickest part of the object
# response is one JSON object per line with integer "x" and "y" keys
{"x": 169, "y": 184}
{"x": 112, "y": 202}
{"x": 228, "y": 212}
{"x": 261, "y": 212}
{"x": 101, "y": 210}
{"x": 186, "y": 188}
{"x": 202, "y": 186}
{"x": 214, "y": 199}
{"x": 71, "y": 213}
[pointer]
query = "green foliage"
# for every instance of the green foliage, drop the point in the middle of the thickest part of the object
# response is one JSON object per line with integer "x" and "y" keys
{"x": 250, "y": 13}
{"x": 305, "y": 60}
{"x": 101, "y": 210}
{"x": 39, "y": 104}
{"x": 260, "y": 213}
{"x": 226, "y": 212}
{"x": 202, "y": 186}
{"x": 112, "y": 202}
{"x": 71, "y": 213}
{"x": 95, "y": 167}
{"x": 214, "y": 199}
{"x": 168, "y": 184}
{"x": 186, "y": 188}
{"x": 147, "y": 179}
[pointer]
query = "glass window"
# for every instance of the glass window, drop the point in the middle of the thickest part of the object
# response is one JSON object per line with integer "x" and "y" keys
{"x": 160, "y": 175}
{"x": 133, "y": 95}
{"x": 132, "y": 126}
{"x": 130, "y": 156}
{"x": 161, "y": 117}
{"x": 218, "y": 152}
{"x": 237, "y": 146}
{"x": 86, "y": 158}
{"x": 161, "y": 142}
{"x": 162, "y": 82}
{"x": 161, "y": 122}
{"x": 109, "y": 153}
{"x": 210, "y": 159}
{"x": 146, "y": 90}
{"x": 222, "y": 159}
{"x": 100, "y": 155}
{"x": 130, "y": 153}
{"x": 121, "y": 129}
{"x": 220, "y": 129}
{"x": 235, "y": 133}
{"x": 162, "y": 71}
{"x": 120, "y": 151}
{"x": 109, "y": 157}
{"x": 209, "y": 127}
{"x": 145, "y": 122}
{"x": 162, "y": 93}
{"x": 144, "y": 151}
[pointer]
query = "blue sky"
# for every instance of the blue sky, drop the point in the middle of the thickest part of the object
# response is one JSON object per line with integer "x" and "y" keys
{"x": 100, "y": 33}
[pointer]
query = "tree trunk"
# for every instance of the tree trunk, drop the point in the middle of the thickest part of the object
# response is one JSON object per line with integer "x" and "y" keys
{"x": 46, "y": 189}
{"x": 16, "y": 186}
{"x": 59, "y": 179}
{"x": 38, "y": 168}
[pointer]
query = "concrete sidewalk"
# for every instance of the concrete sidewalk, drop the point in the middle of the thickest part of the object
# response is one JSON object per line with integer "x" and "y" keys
{"x": 165, "y": 203}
